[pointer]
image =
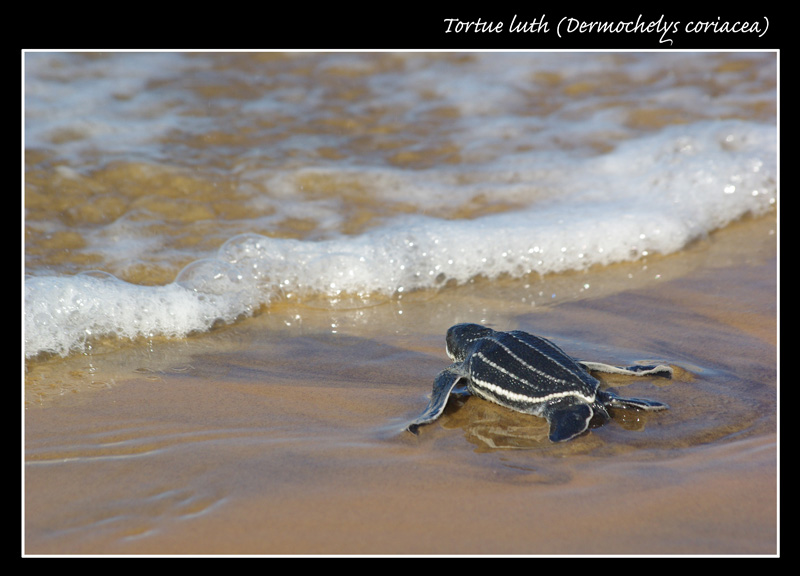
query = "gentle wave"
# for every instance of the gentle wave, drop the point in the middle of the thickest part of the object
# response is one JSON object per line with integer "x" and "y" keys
{"x": 650, "y": 195}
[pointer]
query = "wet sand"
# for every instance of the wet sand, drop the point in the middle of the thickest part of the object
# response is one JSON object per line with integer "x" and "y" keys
{"x": 271, "y": 438}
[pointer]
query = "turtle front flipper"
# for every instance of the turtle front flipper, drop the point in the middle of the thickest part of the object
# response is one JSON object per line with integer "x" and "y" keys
{"x": 442, "y": 386}
{"x": 567, "y": 418}
{"x": 636, "y": 370}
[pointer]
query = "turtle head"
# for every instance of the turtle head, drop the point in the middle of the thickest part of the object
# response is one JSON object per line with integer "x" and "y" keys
{"x": 461, "y": 337}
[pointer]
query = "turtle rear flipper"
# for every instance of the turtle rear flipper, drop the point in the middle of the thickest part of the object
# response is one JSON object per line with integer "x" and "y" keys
{"x": 442, "y": 386}
{"x": 567, "y": 419}
{"x": 615, "y": 401}
{"x": 636, "y": 370}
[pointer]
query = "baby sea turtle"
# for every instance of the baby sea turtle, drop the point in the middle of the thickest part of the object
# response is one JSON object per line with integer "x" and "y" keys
{"x": 532, "y": 375}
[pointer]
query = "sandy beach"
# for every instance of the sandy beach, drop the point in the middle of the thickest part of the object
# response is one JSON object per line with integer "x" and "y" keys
{"x": 266, "y": 437}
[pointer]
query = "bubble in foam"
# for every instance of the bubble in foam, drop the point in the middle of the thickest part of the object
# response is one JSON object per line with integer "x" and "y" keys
{"x": 210, "y": 276}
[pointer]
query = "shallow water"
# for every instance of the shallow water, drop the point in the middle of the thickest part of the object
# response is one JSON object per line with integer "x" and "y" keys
{"x": 273, "y": 425}
{"x": 261, "y": 439}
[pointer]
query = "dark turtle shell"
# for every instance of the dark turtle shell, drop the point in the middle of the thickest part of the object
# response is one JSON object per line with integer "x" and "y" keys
{"x": 518, "y": 369}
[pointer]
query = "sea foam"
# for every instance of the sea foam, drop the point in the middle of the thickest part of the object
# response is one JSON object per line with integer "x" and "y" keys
{"x": 652, "y": 194}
